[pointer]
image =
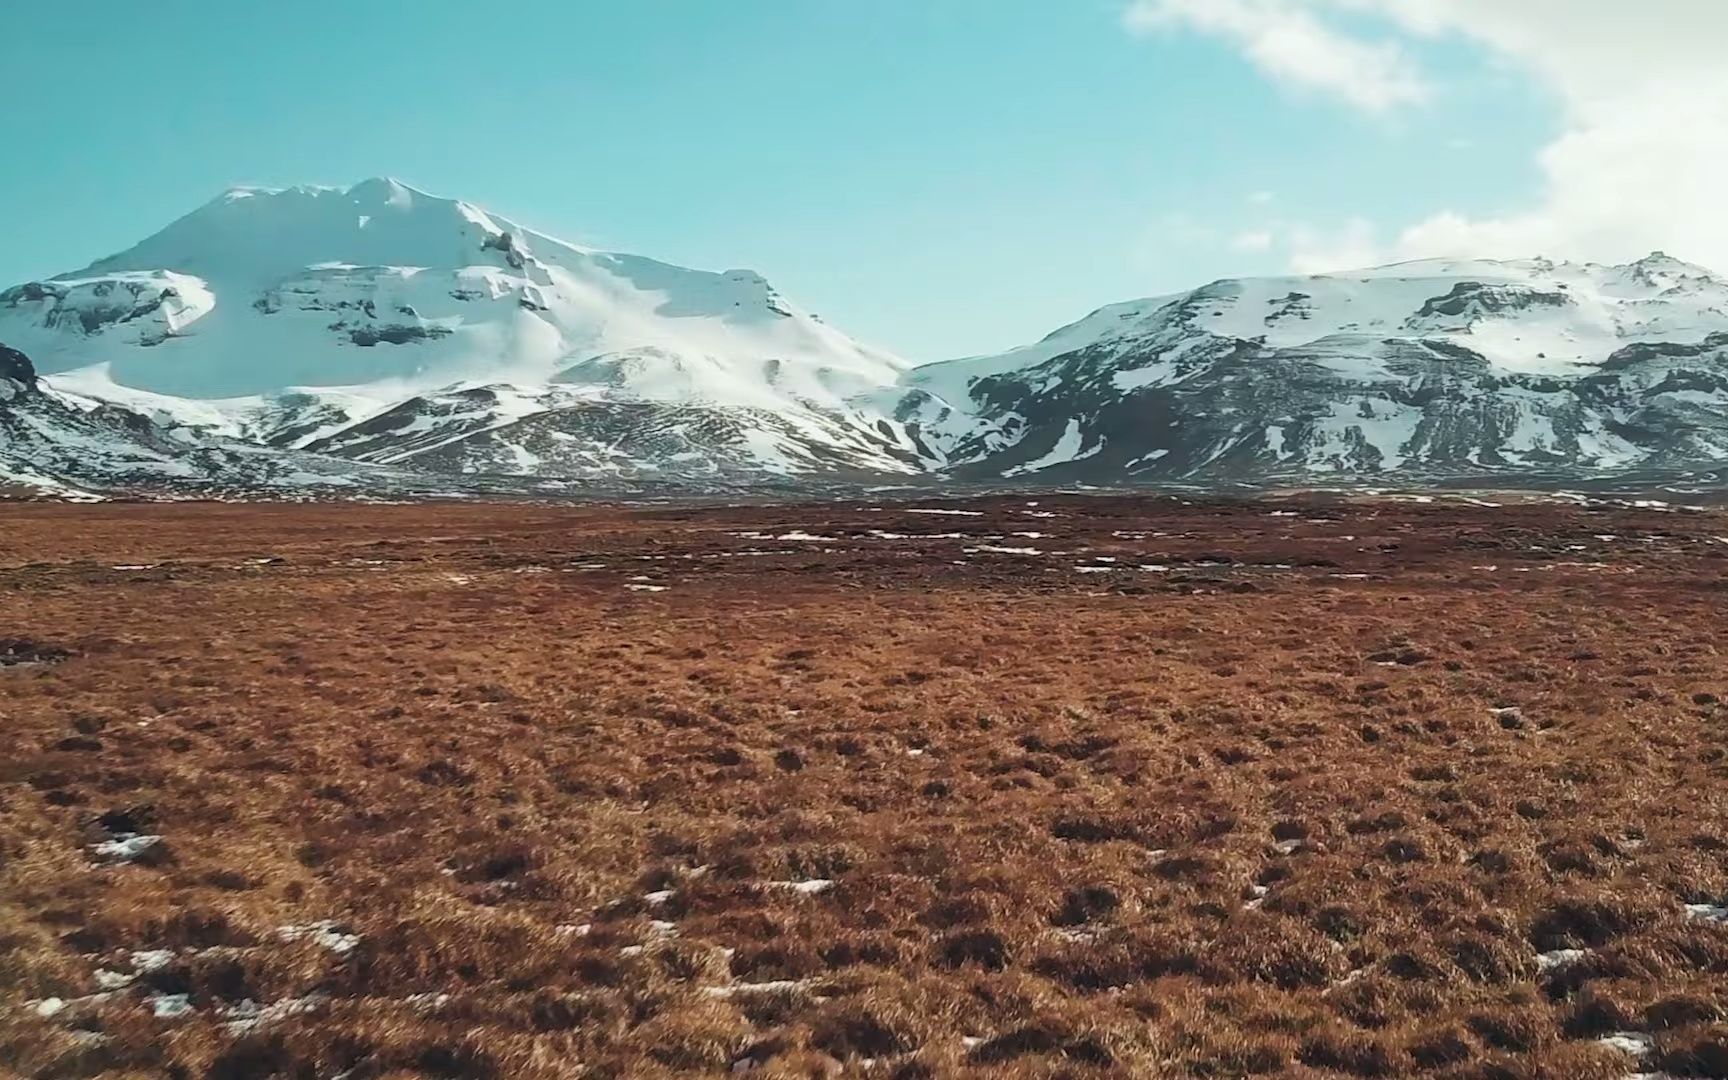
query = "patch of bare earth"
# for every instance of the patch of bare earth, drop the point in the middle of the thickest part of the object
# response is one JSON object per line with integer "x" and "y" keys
{"x": 1070, "y": 786}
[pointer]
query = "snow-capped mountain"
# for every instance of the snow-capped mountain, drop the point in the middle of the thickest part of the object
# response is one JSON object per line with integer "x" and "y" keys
{"x": 385, "y": 325}
{"x": 1452, "y": 367}
{"x": 363, "y": 336}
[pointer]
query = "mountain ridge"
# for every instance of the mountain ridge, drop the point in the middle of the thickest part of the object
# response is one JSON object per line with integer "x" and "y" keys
{"x": 1428, "y": 366}
{"x": 378, "y": 327}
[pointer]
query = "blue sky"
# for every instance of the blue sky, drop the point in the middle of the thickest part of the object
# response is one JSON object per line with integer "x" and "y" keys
{"x": 940, "y": 177}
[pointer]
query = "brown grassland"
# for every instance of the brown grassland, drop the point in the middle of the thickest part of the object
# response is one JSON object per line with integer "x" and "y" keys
{"x": 1304, "y": 787}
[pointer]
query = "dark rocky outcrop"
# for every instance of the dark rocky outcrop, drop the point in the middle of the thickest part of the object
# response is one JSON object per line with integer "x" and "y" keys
{"x": 16, "y": 368}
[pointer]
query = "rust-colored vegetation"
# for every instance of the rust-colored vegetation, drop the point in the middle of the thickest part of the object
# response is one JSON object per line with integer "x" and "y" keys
{"x": 1062, "y": 787}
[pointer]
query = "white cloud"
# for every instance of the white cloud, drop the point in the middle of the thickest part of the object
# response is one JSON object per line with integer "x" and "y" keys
{"x": 1284, "y": 39}
{"x": 1253, "y": 240}
{"x": 1261, "y": 198}
{"x": 1317, "y": 251}
{"x": 1643, "y": 90}
{"x": 1639, "y": 163}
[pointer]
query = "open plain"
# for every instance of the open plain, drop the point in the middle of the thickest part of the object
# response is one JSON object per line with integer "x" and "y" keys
{"x": 1015, "y": 786}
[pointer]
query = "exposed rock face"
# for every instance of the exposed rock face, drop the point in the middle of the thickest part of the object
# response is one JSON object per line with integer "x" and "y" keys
{"x": 1470, "y": 300}
{"x": 390, "y": 333}
{"x": 143, "y": 310}
{"x": 16, "y": 370}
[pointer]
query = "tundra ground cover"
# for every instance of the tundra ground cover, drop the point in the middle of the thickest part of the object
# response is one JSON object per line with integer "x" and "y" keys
{"x": 1027, "y": 786}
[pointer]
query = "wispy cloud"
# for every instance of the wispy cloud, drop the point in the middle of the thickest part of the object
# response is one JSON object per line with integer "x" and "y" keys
{"x": 1636, "y": 165}
{"x": 1287, "y": 41}
{"x": 1253, "y": 240}
{"x": 1348, "y": 247}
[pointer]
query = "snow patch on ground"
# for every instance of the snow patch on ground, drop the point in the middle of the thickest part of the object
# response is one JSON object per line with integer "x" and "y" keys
{"x": 125, "y": 848}
{"x": 811, "y": 887}
{"x": 326, "y": 933}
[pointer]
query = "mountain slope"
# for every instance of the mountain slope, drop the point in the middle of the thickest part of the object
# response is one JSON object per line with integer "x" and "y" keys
{"x": 383, "y": 323}
{"x": 57, "y": 444}
{"x": 1435, "y": 367}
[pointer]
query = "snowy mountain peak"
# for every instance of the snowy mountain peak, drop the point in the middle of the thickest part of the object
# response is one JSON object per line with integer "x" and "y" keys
{"x": 382, "y": 188}
{"x": 385, "y": 322}
{"x": 266, "y": 289}
{"x": 254, "y": 236}
{"x": 374, "y": 193}
{"x": 1662, "y": 262}
{"x": 1456, "y": 365}
{"x": 1661, "y": 271}
{"x": 387, "y": 189}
